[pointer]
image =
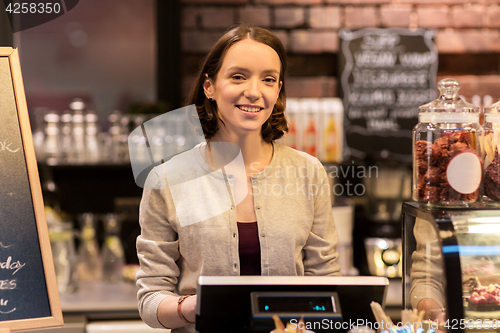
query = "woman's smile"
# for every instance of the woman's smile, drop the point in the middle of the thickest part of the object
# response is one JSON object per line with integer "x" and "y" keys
{"x": 252, "y": 110}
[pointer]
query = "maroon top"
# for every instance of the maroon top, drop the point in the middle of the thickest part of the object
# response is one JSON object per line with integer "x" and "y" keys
{"x": 249, "y": 248}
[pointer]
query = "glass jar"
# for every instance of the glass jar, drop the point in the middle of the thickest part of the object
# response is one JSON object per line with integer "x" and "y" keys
{"x": 491, "y": 159}
{"x": 113, "y": 255}
{"x": 446, "y": 150}
{"x": 63, "y": 253}
{"x": 89, "y": 259}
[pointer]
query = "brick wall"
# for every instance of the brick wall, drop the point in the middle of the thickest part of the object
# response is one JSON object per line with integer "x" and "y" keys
{"x": 467, "y": 31}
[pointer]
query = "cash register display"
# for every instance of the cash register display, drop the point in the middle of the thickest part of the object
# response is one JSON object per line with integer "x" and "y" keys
{"x": 299, "y": 304}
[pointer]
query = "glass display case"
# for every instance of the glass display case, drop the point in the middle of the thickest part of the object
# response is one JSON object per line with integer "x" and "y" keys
{"x": 451, "y": 265}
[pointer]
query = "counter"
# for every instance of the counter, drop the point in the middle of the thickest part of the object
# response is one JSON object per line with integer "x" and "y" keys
{"x": 100, "y": 307}
{"x": 112, "y": 307}
{"x": 102, "y": 301}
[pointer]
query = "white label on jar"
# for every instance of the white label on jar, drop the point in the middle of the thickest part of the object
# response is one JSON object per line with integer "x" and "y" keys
{"x": 464, "y": 173}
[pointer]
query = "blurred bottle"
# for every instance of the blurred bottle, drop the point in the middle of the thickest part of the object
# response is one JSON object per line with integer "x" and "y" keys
{"x": 77, "y": 105}
{"x": 113, "y": 256}
{"x": 89, "y": 262}
{"x": 138, "y": 143}
{"x": 51, "y": 145}
{"x": 66, "y": 137}
{"x": 92, "y": 146}
{"x": 78, "y": 155}
{"x": 180, "y": 138}
{"x": 124, "y": 133}
{"x": 310, "y": 138}
{"x": 114, "y": 143}
{"x": 332, "y": 120}
{"x": 487, "y": 100}
{"x": 170, "y": 145}
{"x": 63, "y": 253}
{"x": 310, "y": 143}
{"x": 291, "y": 113}
{"x": 330, "y": 140}
{"x": 157, "y": 143}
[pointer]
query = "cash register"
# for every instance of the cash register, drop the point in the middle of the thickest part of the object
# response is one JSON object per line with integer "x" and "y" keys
{"x": 248, "y": 303}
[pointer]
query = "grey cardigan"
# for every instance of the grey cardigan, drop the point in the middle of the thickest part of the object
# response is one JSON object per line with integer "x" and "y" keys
{"x": 294, "y": 217}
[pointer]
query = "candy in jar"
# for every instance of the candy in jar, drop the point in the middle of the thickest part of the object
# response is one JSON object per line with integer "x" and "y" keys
{"x": 447, "y": 168}
{"x": 491, "y": 158}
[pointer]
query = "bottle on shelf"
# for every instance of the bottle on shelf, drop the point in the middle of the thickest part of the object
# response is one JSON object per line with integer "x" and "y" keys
{"x": 89, "y": 261}
{"x": 92, "y": 145}
{"x": 291, "y": 138}
{"x": 332, "y": 120}
{"x": 63, "y": 253}
{"x": 51, "y": 150}
{"x": 124, "y": 134}
{"x": 113, "y": 145}
{"x": 113, "y": 256}
{"x": 66, "y": 137}
{"x": 310, "y": 108}
{"x": 78, "y": 155}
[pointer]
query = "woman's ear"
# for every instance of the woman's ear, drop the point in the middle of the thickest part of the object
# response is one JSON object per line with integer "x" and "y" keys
{"x": 208, "y": 87}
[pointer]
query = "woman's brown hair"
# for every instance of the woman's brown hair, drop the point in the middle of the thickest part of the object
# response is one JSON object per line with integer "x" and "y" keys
{"x": 276, "y": 125}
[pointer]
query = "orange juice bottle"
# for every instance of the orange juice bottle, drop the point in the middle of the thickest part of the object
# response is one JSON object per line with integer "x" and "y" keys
{"x": 332, "y": 130}
{"x": 330, "y": 140}
{"x": 310, "y": 108}
{"x": 310, "y": 137}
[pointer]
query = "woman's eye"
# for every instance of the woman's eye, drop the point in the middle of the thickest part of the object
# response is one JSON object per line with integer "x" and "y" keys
{"x": 237, "y": 77}
{"x": 270, "y": 79}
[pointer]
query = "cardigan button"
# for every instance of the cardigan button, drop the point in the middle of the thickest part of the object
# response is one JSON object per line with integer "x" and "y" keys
{"x": 258, "y": 206}
{"x": 234, "y": 235}
{"x": 262, "y": 234}
{"x": 235, "y": 265}
{"x": 266, "y": 264}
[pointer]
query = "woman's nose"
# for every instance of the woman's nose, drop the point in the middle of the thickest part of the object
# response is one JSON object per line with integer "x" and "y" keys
{"x": 252, "y": 91}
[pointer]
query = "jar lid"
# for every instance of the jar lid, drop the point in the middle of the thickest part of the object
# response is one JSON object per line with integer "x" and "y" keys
{"x": 493, "y": 108}
{"x": 449, "y": 100}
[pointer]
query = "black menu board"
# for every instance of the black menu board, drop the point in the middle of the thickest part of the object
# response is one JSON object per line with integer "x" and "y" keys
{"x": 385, "y": 75}
{"x": 28, "y": 287}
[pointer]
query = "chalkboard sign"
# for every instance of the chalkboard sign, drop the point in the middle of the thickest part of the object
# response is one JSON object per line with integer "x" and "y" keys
{"x": 386, "y": 74}
{"x": 28, "y": 288}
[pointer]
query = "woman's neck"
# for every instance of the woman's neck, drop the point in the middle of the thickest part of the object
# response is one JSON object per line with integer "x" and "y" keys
{"x": 257, "y": 153}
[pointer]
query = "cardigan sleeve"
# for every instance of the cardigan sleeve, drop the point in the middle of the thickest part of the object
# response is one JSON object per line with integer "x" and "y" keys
{"x": 157, "y": 251}
{"x": 427, "y": 273}
{"x": 320, "y": 251}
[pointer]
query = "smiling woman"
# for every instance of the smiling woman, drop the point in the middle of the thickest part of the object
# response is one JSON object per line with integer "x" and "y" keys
{"x": 245, "y": 90}
{"x": 263, "y": 40}
{"x": 239, "y": 96}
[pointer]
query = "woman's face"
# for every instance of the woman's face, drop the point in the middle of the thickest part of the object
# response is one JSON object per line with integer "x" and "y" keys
{"x": 246, "y": 87}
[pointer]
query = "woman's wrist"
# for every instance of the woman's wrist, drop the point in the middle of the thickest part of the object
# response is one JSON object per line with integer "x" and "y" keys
{"x": 180, "y": 302}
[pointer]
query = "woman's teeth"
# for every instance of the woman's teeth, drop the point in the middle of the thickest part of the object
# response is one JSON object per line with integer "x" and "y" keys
{"x": 249, "y": 108}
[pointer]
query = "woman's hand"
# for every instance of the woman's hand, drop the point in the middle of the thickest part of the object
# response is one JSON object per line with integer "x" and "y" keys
{"x": 432, "y": 310}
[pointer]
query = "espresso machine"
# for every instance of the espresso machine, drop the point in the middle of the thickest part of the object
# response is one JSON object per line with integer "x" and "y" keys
{"x": 377, "y": 227}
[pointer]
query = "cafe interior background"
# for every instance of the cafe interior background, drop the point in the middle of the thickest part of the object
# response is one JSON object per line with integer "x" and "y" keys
{"x": 106, "y": 66}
